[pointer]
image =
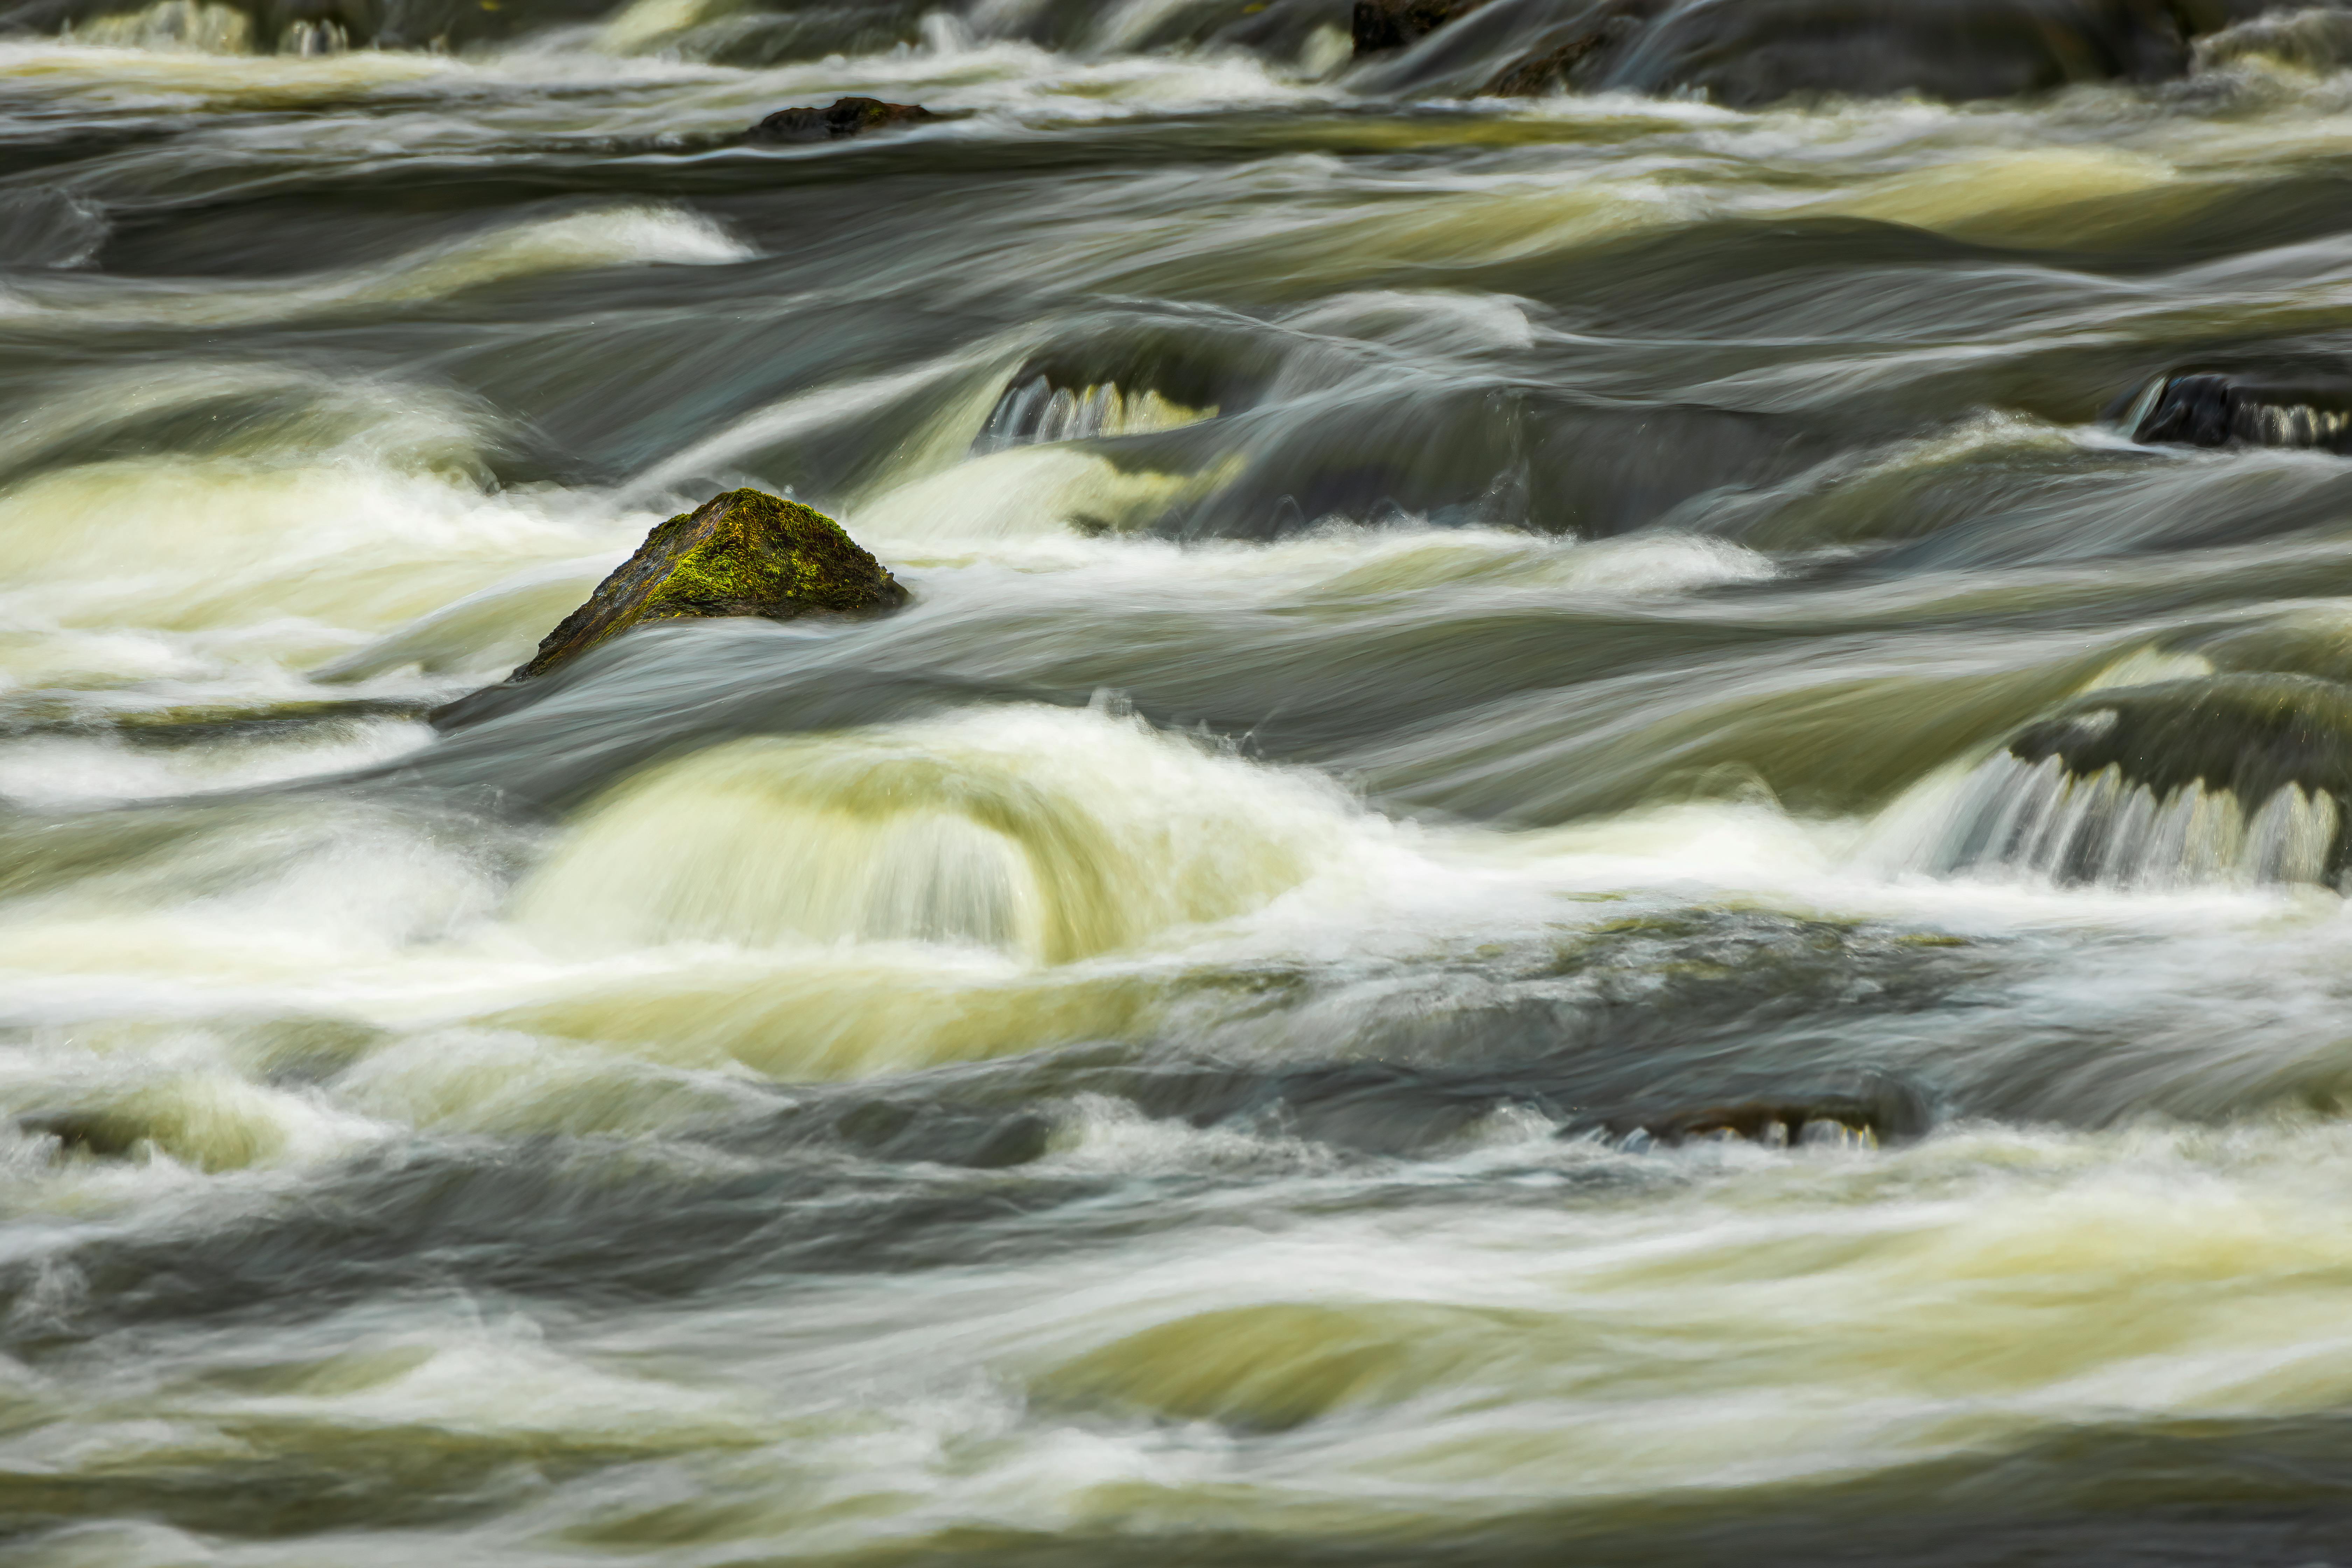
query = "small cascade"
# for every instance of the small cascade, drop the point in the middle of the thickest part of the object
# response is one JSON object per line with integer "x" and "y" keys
{"x": 306, "y": 39}
{"x": 1034, "y": 412}
{"x": 1048, "y": 835}
{"x": 2039, "y": 818}
{"x": 182, "y": 25}
{"x": 2229, "y": 780}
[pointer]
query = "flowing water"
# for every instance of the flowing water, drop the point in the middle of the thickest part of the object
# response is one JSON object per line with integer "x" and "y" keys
{"x": 1448, "y": 635}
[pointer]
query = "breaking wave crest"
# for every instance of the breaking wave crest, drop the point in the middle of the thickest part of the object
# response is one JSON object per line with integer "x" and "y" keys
{"x": 1047, "y": 835}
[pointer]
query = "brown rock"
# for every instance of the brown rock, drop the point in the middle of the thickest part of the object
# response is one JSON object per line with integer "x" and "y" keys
{"x": 745, "y": 552}
{"x": 842, "y": 117}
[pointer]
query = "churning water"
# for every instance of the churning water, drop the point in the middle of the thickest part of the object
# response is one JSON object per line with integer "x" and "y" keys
{"x": 1569, "y": 857}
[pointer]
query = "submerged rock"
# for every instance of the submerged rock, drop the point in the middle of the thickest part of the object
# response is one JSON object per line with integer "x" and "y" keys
{"x": 1564, "y": 59}
{"x": 93, "y": 1132}
{"x": 842, "y": 117}
{"x": 745, "y": 552}
{"x": 1393, "y": 24}
{"x": 2222, "y": 409}
{"x": 1758, "y": 51}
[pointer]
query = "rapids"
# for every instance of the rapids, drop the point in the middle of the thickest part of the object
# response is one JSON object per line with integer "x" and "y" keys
{"x": 1450, "y": 637}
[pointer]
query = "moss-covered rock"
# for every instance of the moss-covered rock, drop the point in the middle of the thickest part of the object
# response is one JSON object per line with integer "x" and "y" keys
{"x": 745, "y": 552}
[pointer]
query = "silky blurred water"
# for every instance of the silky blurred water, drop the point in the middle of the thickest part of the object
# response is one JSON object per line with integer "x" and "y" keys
{"x": 1445, "y": 632}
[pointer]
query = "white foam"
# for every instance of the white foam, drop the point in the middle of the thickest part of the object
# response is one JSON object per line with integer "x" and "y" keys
{"x": 52, "y": 771}
{"x": 219, "y": 577}
{"x": 1048, "y": 833}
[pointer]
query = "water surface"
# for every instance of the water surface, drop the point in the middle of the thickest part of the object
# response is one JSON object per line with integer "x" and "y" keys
{"x": 1447, "y": 634}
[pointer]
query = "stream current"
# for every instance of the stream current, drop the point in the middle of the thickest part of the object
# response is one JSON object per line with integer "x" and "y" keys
{"x": 1445, "y": 634}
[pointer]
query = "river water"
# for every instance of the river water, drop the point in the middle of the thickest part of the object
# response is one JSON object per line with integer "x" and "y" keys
{"x": 1447, "y": 634}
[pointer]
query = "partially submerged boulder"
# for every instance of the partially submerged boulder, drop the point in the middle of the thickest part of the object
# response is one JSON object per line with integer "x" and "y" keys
{"x": 2211, "y": 408}
{"x": 842, "y": 117}
{"x": 745, "y": 552}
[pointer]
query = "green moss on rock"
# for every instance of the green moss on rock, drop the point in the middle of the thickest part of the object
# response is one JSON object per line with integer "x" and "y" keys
{"x": 745, "y": 552}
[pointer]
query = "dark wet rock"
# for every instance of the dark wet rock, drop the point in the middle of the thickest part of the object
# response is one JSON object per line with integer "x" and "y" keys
{"x": 94, "y": 1133}
{"x": 2251, "y": 734}
{"x": 1759, "y": 51}
{"x": 1560, "y": 60}
{"x": 2224, "y": 409}
{"x": 842, "y": 117}
{"x": 742, "y": 553}
{"x": 1393, "y": 24}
